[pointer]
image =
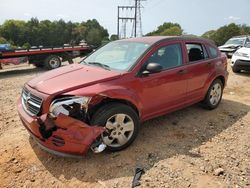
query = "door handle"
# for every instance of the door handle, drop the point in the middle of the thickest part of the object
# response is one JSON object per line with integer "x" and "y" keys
{"x": 183, "y": 71}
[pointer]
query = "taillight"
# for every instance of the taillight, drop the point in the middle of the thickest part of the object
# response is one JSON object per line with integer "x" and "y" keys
{"x": 224, "y": 60}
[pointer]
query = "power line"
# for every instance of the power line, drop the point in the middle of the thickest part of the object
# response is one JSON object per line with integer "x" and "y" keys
{"x": 135, "y": 18}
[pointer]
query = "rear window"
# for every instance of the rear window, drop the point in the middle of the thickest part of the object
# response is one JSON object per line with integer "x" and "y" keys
{"x": 196, "y": 52}
{"x": 213, "y": 51}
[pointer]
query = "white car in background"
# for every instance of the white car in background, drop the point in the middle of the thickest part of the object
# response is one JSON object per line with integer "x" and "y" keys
{"x": 233, "y": 44}
{"x": 241, "y": 59}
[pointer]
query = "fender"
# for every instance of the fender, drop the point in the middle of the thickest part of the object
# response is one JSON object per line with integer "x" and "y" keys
{"x": 210, "y": 79}
{"x": 100, "y": 91}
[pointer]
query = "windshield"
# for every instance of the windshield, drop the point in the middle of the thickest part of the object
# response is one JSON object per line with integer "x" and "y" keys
{"x": 235, "y": 41}
{"x": 118, "y": 55}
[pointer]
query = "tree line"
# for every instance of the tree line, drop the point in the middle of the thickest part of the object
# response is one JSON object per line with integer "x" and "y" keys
{"x": 51, "y": 33}
{"x": 56, "y": 33}
{"x": 219, "y": 36}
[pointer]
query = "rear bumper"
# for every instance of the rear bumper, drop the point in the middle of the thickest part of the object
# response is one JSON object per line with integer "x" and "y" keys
{"x": 63, "y": 136}
{"x": 241, "y": 64}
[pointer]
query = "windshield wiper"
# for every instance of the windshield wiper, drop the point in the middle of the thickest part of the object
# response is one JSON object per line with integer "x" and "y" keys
{"x": 100, "y": 65}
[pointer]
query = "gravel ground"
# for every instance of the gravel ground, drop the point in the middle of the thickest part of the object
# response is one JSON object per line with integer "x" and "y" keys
{"x": 192, "y": 147}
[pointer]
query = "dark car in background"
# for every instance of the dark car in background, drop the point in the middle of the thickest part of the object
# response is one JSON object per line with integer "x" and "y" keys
{"x": 233, "y": 44}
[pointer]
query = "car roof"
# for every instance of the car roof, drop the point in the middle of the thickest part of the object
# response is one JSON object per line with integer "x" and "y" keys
{"x": 156, "y": 39}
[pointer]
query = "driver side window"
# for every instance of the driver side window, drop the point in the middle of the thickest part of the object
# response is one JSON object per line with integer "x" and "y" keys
{"x": 168, "y": 57}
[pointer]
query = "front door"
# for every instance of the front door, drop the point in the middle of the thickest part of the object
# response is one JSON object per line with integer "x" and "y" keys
{"x": 165, "y": 90}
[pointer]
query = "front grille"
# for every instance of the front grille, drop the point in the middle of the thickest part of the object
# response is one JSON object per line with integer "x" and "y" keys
{"x": 31, "y": 103}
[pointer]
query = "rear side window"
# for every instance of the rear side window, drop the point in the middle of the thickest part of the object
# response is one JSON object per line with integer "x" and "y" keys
{"x": 247, "y": 42}
{"x": 196, "y": 52}
{"x": 213, "y": 51}
{"x": 169, "y": 56}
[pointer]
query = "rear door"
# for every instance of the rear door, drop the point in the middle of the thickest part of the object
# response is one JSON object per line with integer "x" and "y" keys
{"x": 198, "y": 67}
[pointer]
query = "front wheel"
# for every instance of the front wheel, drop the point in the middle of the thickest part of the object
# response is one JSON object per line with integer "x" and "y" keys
{"x": 121, "y": 123}
{"x": 214, "y": 95}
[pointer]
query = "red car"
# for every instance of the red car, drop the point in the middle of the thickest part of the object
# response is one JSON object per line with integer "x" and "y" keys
{"x": 102, "y": 101}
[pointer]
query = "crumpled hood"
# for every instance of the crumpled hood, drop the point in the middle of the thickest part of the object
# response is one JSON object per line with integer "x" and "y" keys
{"x": 70, "y": 77}
{"x": 232, "y": 46}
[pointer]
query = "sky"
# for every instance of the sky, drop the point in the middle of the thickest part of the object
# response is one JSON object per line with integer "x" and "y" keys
{"x": 195, "y": 16}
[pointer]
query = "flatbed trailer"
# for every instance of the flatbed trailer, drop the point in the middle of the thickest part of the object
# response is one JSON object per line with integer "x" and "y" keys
{"x": 48, "y": 57}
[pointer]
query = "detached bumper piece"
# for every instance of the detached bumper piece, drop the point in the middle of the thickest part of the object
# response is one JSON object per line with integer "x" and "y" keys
{"x": 64, "y": 135}
{"x": 137, "y": 177}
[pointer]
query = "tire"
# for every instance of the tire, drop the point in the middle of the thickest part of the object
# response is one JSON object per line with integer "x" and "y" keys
{"x": 235, "y": 70}
{"x": 52, "y": 62}
{"x": 117, "y": 118}
{"x": 213, "y": 94}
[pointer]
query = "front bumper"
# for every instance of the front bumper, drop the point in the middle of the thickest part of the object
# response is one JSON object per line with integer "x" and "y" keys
{"x": 64, "y": 135}
{"x": 241, "y": 65}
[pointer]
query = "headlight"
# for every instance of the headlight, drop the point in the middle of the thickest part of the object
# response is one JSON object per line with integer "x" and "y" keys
{"x": 66, "y": 104}
{"x": 241, "y": 54}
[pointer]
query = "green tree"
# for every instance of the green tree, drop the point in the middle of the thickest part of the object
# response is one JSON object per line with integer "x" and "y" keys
{"x": 3, "y": 41}
{"x": 221, "y": 35}
{"x": 26, "y": 45}
{"x": 209, "y": 34}
{"x": 13, "y": 30}
{"x": 56, "y": 33}
{"x": 226, "y": 32}
{"x": 167, "y": 29}
{"x": 94, "y": 37}
{"x": 79, "y": 33}
{"x": 113, "y": 37}
{"x": 95, "y": 33}
{"x": 244, "y": 29}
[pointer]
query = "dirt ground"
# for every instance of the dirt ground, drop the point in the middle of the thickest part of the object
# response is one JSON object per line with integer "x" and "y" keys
{"x": 192, "y": 147}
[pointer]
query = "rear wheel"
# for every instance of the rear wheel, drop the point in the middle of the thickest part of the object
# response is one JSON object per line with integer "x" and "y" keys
{"x": 121, "y": 123}
{"x": 214, "y": 95}
{"x": 52, "y": 62}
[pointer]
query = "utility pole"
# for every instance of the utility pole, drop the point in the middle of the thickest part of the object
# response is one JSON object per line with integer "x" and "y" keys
{"x": 135, "y": 25}
{"x": 135, "y": 19}
{"x": 124, "y": 20}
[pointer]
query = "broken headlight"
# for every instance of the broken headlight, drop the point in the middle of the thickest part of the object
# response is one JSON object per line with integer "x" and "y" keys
{"x": 71, "y": 106}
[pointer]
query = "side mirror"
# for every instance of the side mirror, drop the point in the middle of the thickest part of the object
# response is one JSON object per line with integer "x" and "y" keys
{"x": 152, "y": 68}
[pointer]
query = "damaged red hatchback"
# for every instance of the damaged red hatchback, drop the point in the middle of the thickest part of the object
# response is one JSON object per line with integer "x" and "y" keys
{"x": 101, "y": 102}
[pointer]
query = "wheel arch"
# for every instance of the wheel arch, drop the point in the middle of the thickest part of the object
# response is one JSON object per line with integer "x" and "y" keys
{"x": 99, "y": 101}
{"x": 222, "y": 79}
{"x": 211, "y": 79}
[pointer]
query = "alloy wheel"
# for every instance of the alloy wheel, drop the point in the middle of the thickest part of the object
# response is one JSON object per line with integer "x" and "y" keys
{"x": 120, "y": 128}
